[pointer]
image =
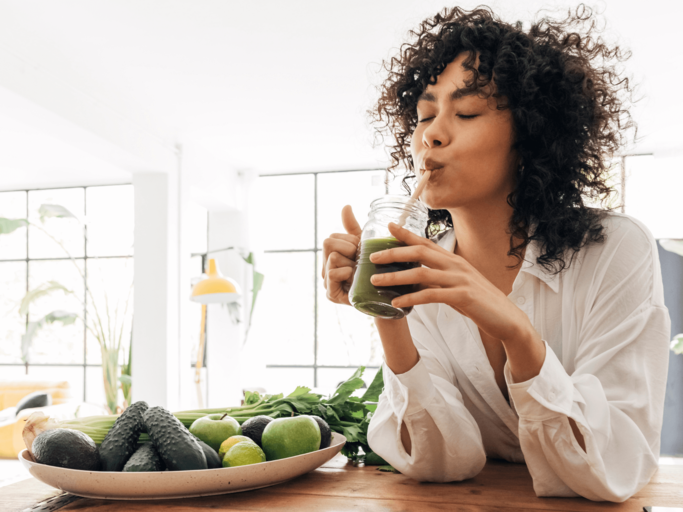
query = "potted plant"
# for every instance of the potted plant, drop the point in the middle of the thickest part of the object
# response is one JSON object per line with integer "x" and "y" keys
{"x": 105, "y": 323}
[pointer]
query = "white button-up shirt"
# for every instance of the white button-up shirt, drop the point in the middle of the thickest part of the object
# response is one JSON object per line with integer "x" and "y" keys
{"x": 607, "y": 334}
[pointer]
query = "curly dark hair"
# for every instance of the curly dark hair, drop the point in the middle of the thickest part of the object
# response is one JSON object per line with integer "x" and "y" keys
{"x": 569, "y": 105}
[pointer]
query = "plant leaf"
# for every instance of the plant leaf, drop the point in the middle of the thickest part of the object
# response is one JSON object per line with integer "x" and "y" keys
{"x": 125, "y": 379}
{"x": 388, "y": 469}
{"x": 376, "y": 387}
{"x": 65, "y": 317}
{"x": 54, "y": 210}
{"x": 9, "y": 225}
{"x": 677, "y": 344}
{"x": 346, "y": 389}
{"x": 300, "y": 390}
{"x": 41, "y": 291}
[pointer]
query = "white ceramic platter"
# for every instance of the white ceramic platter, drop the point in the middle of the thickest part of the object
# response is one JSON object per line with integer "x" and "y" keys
{"x": 179, "y": 484}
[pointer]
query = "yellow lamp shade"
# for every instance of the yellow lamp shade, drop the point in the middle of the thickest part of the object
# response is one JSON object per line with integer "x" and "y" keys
{"x": 215, "y": 289}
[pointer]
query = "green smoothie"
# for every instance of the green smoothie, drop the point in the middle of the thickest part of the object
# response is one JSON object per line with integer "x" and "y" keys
{"x": 376, "y": 300}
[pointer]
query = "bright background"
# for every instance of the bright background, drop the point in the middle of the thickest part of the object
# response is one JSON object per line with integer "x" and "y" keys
{"x": 170, "y": 128}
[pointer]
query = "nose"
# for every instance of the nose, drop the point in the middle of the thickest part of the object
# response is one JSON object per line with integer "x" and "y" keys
{"x": 436, "y": 134}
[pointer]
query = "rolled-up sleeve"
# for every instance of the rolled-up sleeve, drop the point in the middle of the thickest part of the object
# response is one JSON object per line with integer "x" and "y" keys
{"x": 446, "y": 443}
{"x": 615, "y": 393}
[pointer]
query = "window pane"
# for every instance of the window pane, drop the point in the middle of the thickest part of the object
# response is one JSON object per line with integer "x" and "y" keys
{"x": 285, "y": 212}
{"x": 13, "y": 206}
{"x": 396, "y": 183}
{"x": 12, "y": 326}
{"x": 94, "y": 391}
{"x": 335, "y": 190}
{"x": 652, "y": 195}
{"x": 110, "y": 220}
{"x": 71, "y": 374}
{"x": 110, "y": 281}
{"x": 68, "y": 231}
{"x": 330, "y": 378}
{"x": 345, "y": 336}
{"x": 283, "y": 318}
{"x": 57, "y": 343}
{"x": 286, "y": 380}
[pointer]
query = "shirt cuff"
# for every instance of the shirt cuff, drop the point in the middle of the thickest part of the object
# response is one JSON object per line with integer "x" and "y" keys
{"x": 411, "y": 391}
{"x": 549, "y": 394}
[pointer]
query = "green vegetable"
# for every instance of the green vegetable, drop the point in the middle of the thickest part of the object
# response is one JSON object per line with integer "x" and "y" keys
{"x": 176, "y": 446}
{"x": 372, "y": 459}
{"x": 121, "y": 441}
{"x": 145, "y": 458}
{"x": 345, "y": 414}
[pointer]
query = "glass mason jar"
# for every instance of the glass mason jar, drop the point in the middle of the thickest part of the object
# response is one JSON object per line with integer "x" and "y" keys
{"x": 363, "y": 295}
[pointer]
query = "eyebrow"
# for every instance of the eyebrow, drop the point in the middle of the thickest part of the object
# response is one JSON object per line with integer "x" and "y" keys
{"x": 455, "y": 95}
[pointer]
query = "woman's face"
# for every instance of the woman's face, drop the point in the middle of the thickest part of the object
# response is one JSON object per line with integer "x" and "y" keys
{"x": 466, "y": 140}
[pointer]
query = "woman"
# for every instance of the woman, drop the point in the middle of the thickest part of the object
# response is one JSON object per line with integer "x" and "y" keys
{"x": 539, "y": 333}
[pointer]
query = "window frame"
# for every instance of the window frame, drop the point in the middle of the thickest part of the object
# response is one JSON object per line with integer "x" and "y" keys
{"x": 85, "y": 365}
{"x": 315, "y": 366}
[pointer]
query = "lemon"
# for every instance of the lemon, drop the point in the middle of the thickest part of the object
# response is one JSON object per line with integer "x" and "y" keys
{"x": 242, "y": 454}
{"x": 230, "y": 442}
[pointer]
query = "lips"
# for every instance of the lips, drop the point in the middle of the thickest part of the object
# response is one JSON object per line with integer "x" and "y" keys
{"x": 432, "y": 165}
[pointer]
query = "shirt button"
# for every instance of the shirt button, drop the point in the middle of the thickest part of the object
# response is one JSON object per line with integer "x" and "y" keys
{"x": 551, "y": 396}
{"x": 521, "y": 300}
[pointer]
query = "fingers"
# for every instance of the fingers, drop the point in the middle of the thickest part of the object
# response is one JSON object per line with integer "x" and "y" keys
{"x": 423, "y": 276}
{"x": 336, "y": 284}
{"x": 345, "y": 245}
{"x": 350, "y": 223}
{"x": 422, "y": 254}
{"x": 428, "y": 296}
{"x": 410, "y": 238}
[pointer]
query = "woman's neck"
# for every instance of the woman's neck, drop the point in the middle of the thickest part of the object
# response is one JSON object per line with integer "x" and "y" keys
{"x": 483, "y": 241}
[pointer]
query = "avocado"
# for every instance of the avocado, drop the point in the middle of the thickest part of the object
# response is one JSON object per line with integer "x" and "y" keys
{"x": 325, "y": 432}
{"x": 145, "y": 458}
{"x": 213, "y": 461}
{"x": 66, "y": 448}
{"x": 176, "y": 446}
{"x": 33, "y": 400}
{"x": 253, "y": 428}
{"x": 122, "y": 440}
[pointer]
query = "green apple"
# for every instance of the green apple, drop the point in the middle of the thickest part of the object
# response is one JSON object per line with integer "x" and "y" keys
{"x": 287, "y": 437}
{"x": 213, "y": 429}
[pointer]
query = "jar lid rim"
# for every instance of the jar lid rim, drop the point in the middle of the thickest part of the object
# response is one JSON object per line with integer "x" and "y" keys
{"x": 399, "y": 201}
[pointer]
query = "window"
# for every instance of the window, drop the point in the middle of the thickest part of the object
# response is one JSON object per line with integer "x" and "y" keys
{"x": 29, "y": 257}
{"x": 305, "y": 339}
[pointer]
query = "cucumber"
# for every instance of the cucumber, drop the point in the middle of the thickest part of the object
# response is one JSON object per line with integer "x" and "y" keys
{"x": 176, "y": 446}
{"x": 145, "y": 458}
{"x": 122, "y": 440}
{"x": 213, "y": 461}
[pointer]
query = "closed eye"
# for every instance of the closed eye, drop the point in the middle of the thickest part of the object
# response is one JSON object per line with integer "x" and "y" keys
{"x": 461, "y": 116}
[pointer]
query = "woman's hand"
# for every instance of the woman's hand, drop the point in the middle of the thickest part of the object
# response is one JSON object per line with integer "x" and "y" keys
{"x": 450, "y": 279}
{"x": 339, "y": 258}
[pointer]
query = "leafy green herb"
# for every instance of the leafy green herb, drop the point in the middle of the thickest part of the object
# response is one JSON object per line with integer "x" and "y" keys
{"x": 389, "y": 469}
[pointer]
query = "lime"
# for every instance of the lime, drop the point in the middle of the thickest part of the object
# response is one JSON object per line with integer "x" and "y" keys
{"x": 230, "y": 442}
{"x": 242, "y": 454}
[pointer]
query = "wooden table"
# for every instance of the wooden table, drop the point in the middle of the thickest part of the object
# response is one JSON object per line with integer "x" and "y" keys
{"x": 339, "y": 486}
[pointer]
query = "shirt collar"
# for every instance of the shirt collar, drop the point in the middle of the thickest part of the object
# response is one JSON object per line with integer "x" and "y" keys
{"x": 530, "y": 265}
